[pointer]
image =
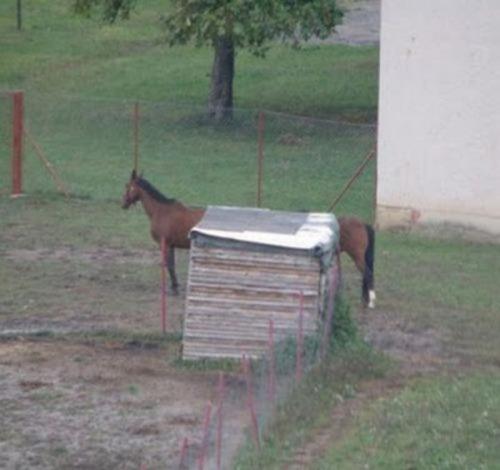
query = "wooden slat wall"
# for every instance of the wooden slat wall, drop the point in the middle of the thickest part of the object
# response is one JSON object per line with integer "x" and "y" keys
{"x": 232, "y": 294}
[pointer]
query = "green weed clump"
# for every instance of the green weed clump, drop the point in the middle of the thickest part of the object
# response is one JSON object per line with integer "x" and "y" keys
{"x": 344, "y": 328}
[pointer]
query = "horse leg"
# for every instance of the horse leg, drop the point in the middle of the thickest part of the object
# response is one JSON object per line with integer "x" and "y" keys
{"x": 367, "y": 291}
{"x": 368, "y": 275}
{"x": 369, "y": 296}
{"x": 171, "y": 270}
{"x": 360, "y": 264}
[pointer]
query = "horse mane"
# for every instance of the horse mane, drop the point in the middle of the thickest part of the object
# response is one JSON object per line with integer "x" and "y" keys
{"x": 153, "y": 192}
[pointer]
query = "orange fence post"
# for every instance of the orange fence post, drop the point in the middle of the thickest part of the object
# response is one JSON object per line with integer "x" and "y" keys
{"x": 330, "y": 306}
{"x": 271, "y": 387}
{"x": 260, "y": 157}
{"x": 52, "y": 172}
{"x": 184, "y": 451}
{"x": 354, "y": 177}
{"x": 250, "y": 399}
{"x": 220, "y": 391}
{"x": 164, "y": 255}
{"x": 136, "y": 136}
{"x": 206, "y": 435}
{"x": 17, "y": 141}
{"x": 300, "y": 339}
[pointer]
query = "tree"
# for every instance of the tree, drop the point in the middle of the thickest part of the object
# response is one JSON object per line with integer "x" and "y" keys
{"x": 228, "y": 25}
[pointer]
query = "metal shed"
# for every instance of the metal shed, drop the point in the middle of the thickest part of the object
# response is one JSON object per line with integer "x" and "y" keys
{"x": 248, "y": 266}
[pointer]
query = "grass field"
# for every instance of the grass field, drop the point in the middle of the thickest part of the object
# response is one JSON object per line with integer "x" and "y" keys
{"x": 60, "y": 53}
{"x": 81, "y": 79}
{"x": 83, "y": 264}
{"x": 439, "y": 423}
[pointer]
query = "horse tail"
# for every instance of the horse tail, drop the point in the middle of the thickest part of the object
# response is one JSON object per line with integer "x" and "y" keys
{"x": 369, "y": 273}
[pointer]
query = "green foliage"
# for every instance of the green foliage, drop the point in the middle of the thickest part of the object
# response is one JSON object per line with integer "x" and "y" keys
{"x": 207, "y": 364}
{"x": 344, "y": 334}
{"x": 250, "y": 24}
{"x": 286, "y": 353}
{"x": 247, "y": 23}
{"x": 344, "y": 330}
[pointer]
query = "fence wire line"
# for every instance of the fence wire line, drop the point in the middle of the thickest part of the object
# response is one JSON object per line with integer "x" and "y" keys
{"x": 192, "y": 106}
{"x": 255, "y": 407}
{"x": 90, "y": 142}
{"x": 286, "y": 364}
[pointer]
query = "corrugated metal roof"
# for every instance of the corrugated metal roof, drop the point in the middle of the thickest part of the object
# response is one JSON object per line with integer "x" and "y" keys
{"x": 293, "y": 230}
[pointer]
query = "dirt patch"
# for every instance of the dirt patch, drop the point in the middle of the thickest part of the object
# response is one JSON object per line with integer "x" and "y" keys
{"x": 418, "y": 350}
{"x": 70, "y": 405}
{"x": 144, "y": 257}
{"x": 88, "y": 290}
{"x": 28, "y": 385}
{"x": 106, "y": 401}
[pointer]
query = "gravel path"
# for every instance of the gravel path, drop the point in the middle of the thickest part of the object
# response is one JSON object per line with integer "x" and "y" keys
{"x": 361, "y": 24}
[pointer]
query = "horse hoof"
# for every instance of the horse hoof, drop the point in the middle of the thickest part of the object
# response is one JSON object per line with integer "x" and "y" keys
{"x": 175, "y": 291}
{"x": 373, "y": 297}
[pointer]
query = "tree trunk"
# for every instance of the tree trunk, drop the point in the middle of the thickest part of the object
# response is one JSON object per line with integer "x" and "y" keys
{"x": 220, "y": 104}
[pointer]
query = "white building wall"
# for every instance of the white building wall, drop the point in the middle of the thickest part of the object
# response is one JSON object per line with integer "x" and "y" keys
{"x": 439, "y": 113}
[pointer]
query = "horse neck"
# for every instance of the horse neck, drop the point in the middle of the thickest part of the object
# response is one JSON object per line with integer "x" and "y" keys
{"x": 152, "y": 206}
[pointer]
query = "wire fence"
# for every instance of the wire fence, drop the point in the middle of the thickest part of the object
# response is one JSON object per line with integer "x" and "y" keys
{"x": 264, "y": 386}
{"x": 5, "y": 142}
{"x": 92, "y": 143}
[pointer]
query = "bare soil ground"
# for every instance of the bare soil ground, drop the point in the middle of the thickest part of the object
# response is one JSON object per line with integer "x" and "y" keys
{"x": 85, "y": 282}
{"x": 102, "y": 405}
{"x": 70, "y": 399}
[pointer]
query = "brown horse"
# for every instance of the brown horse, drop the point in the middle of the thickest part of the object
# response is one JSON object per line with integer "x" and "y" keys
{"x": 357, "y": 239}
{"x": 172, "y": 220}
{"x": 169, "y": 218}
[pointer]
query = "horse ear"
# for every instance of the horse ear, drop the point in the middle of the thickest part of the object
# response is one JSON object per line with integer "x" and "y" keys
{"x": 133, "y": 176}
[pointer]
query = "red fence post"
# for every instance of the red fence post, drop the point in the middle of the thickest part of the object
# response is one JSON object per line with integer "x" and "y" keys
{"x": 220, "y": 390}
{"x": 300, "y": 339}
{"x": 271, "y": 388}
{"x": 204, "y": 442}
{"x": 164, "y": 256}
{"x": 184, "y": 450}
{"x": 250, "y": 400}
{"x": 17, "y": 141}
{"x": 136, "y": 136}
{"x": 260, "y": 157}
{"x": 330, "y": 305}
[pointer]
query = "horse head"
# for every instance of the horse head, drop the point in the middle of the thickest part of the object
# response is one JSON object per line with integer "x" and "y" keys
{"x": 132, "y": 191}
